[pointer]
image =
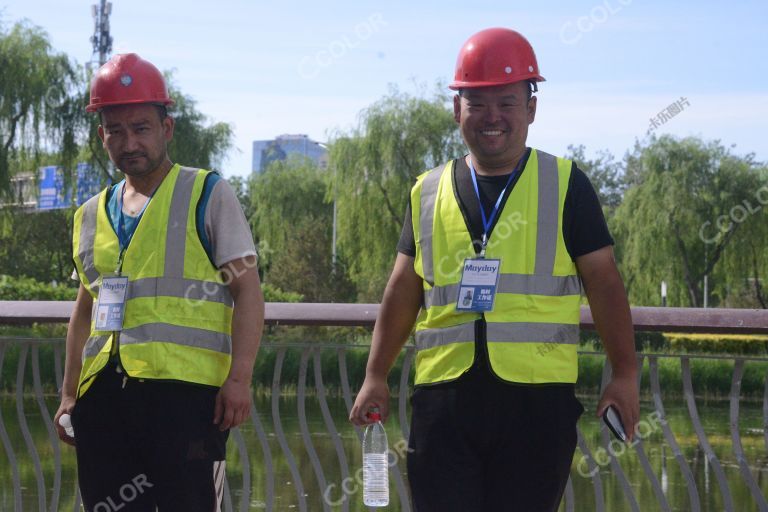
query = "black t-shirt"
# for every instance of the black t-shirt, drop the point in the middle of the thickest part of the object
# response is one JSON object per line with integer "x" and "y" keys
{"x": 584, "y": 226}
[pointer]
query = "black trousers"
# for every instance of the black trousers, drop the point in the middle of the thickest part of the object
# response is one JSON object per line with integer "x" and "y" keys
{"x": 147, "y": 445}
{"x": 481, "y": 444}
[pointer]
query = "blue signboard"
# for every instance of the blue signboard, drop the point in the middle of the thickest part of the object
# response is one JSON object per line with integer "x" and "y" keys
{"x": 88, "y": 182}
{"x": 52, "y": 194}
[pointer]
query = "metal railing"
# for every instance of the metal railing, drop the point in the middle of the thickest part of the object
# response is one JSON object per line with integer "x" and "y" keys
{"x": 273, "y": 466}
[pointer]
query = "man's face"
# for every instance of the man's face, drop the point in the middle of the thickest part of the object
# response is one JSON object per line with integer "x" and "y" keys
{"x": 135, "y": 137}
{"x": 494, "y": 121}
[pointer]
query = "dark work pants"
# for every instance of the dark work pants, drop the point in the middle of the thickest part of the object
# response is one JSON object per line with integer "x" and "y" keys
{"x": 480, "y": 444}
{"x": 148, "y": 444}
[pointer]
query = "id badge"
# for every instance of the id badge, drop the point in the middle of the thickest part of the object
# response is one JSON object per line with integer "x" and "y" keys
{"x": 477, "y": 290}
{"x": 110, "y": 307}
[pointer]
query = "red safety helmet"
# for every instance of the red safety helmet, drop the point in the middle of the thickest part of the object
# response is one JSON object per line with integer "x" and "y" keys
{"x": 495, "y": 56}
{"x": 127, "y": 79}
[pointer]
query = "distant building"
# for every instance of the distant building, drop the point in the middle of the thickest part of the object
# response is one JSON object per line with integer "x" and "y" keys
{"x": 268, "y": 151}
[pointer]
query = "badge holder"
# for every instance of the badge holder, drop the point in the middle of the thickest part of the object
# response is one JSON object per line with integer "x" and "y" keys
{"x": 477, "y": 290}
{"x": 110, "y": 306}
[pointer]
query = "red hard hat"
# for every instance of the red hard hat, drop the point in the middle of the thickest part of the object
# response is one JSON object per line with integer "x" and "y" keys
{"x": 495, "y": 56}
{"x": 127, "y": 79}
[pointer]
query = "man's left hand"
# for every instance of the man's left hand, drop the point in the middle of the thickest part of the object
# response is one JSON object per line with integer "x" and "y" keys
{"x": 233, "y": 404}
{"x": 623, "y": 394}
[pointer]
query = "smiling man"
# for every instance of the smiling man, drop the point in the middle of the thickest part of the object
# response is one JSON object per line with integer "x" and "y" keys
{"x": 166, "y": 326}
{"x": 493, "y": 252}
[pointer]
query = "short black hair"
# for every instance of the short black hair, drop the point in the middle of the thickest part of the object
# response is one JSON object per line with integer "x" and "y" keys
{"x": 532, "y": 88}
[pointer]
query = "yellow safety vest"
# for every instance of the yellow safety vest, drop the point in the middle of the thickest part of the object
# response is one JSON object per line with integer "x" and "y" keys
{"x": 178, "y": 314}
{"x": 533, "y": 330}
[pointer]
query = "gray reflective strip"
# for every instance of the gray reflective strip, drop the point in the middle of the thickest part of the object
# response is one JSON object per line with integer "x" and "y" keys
{"x": 546, "y": 231}
{"x": 532, "y": 332}
{"x": 93, "y": 345}
{"x": 429, "y": 188}
{"x": 88, "y": 238}
{"x": 190, "y": 289}
{"x": 430, "y": 338}
{"x": 517, "y": 332}
{"x": 524, "y": 284}
{"x": 176, "y": 232}
{"x": 186, "y": 336}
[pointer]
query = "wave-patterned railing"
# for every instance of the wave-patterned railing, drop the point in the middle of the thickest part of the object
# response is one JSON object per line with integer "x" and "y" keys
{"x": 297, "y": 451}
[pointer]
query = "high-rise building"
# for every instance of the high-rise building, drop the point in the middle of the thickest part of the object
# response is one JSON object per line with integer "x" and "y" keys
{"x": 283, "y": 146}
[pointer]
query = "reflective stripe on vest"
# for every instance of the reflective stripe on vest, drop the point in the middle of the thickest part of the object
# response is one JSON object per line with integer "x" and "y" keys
{"x": 539, "y": 305}
{"x": 176, "y": 304}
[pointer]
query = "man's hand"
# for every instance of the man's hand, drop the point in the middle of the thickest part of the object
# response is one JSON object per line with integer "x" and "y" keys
{"x": 66, "y": 406}
{"x": 613, "y": 319}
{"x": 373, "y": 393}
{"x": 233, "y": 401}
{"x": 233, "y": 404}
{"x": 399, "y": 307}
{"x": 623, "y": 394}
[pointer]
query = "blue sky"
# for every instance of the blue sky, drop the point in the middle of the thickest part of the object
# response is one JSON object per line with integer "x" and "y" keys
{"x": 309, "y": 67}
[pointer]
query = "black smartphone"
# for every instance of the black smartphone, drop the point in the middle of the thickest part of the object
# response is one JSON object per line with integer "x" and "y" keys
{"x": 613, "y": 420}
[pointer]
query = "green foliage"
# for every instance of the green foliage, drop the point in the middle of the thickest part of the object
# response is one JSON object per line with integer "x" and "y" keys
{"x": 240, "y": 187}
{"x": 605, "y": 173}
{"x": 717, "y": 344}
{"x": 678, "y": 188}
{"x": 281, "y": 197}
{"x": 373, "y": 169}
{"x": 40, "y": 108}
{"x": 644, "y": 341}
{"x": 196, "y": 141}
{"x": 25, "y": 288}
{"x": 710, "y": 377}
{"x": 293, "y": 222}
{"x": 272, "y": 294}
{"x": 36, "y": 244}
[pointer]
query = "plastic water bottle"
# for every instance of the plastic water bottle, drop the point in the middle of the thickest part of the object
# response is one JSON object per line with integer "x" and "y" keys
{"x": 66, "y": 421}
{"x": 375, "y": 465}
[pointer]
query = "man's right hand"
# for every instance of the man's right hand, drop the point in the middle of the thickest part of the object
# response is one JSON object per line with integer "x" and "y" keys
{"x": 67, "y": 404}
{"x": 373, "y": 393}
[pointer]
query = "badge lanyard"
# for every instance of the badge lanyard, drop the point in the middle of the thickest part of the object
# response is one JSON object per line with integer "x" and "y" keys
{"x": 488, "y": 221}
{"x": 480, "y": 276}
{"x": 110, "y": 306}
{"x": 123, "y": 237}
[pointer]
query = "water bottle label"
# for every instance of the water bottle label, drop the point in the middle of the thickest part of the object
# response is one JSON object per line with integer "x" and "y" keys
{"x": 375, "y": 480}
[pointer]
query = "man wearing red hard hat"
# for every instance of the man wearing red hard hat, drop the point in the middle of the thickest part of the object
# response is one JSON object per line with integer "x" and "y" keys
{"x": 518, "y": 230}
{"x": 168, "y": 318}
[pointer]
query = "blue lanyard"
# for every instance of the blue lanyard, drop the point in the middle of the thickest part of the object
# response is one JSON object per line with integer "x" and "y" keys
{"x": 123, "y": 237}
{"x": 488, "y": 221}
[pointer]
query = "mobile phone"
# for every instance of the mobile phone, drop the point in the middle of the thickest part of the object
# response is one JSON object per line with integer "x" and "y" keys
{"x": 613, "y": 420}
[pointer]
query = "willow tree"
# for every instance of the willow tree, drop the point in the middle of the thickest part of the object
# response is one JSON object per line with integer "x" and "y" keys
{"x": 681, "y": 213}
{"x": 605, "y": 173}
{"x": 39, "y": 106}
{"x": 373, "y": 168}
{"x": 742, "y": 278}
{"x": 293, "y": 222}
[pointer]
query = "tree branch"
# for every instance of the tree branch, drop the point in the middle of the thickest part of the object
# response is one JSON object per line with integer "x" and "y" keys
{"x": 693, "y": 288}
{"x": 12, "y": 136}
{"x": 758, "y": 289}
{"x": 393, "y": 214}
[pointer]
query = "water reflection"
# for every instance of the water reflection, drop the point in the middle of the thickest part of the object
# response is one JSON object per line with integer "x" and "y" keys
{"x": 715, "y": 422}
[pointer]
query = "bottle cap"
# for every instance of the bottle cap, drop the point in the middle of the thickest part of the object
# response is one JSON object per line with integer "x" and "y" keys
{"x": 374, "y": 414}
{"x": 65, "y": 420}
